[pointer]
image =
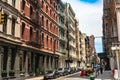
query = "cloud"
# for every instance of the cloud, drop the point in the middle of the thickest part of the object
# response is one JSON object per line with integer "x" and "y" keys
{"x": 90, "y": 18}
{"x": 89, "y": 15}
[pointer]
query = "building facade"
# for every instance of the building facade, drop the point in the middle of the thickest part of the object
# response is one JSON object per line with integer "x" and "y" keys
{"x": 82, "y": 49}
{"x": 29, "y": 37}
{"x": 62, "y": 34}
{"x": 77, "y": 43}
{"x": 87, "y": 43}
{"x": 71, "y": 42}
{"x": 110, "y": 29}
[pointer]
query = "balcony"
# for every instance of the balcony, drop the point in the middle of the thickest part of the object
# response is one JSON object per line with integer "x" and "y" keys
{"x": 72, "y": 44}
{"x": 63, "y": 39}
{"x": 62, "y": 26}
{"x": 63, "y": 51}
{"x": 72, "y": 35}
{"x": 35, "y": 44}
{"x": 71, "y": 27}
{"x": 61, "y": 14}
{"x": 35, "y": 3}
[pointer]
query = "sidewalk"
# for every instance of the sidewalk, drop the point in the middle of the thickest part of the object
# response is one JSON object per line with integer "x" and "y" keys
{"x": 107, "y": 75}
{"x": 36, "y": 78}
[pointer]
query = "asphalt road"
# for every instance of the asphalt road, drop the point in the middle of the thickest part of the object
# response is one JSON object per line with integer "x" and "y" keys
{"x": 76, "y": 76}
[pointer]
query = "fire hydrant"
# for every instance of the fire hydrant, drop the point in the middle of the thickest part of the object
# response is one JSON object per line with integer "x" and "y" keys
{"x": 92, "y": 77}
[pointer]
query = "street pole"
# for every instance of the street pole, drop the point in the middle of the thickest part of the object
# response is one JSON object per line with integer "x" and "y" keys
{"x": 116, "y": 48}
{"x": 117, "y": 59}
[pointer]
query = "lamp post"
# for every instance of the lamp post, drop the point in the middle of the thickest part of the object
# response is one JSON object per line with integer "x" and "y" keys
{"x": 116, "y": 49}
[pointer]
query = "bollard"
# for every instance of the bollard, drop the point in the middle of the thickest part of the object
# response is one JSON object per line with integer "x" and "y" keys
{"x": 92, "y": 77}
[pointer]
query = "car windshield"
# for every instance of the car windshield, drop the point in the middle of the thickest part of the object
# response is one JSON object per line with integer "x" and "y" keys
{"x": 60, "y": 69}
{"x": 51, "y": 71}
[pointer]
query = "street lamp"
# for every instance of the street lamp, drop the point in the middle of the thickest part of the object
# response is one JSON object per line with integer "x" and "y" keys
{"x": 116, "y": 49}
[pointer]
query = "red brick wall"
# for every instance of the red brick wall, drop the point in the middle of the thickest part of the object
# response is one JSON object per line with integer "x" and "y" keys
{"x": 52, "y": 33}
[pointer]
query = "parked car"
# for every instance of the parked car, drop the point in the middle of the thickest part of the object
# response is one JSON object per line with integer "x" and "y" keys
{"x": 68, "y": 70}
{"x": 62, "y": 71}
{"x": 51, "y": 74}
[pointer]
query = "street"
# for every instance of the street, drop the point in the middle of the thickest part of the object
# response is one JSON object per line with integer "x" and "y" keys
{"x": 105, "y": 76}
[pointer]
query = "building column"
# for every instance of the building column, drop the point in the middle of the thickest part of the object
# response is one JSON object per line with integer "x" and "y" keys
{"x": 53, "y": 63}
{"x": 29, "y": 62}
{"x": 33, "y": 64}
{"x": 17, "y": 66}
{"x": 45, "y": 63}
{"x": 26, "y": 64}
{"x": 9, "y": 61}
{"x": 1, "y": 52}
{"x": 50, "y": 62}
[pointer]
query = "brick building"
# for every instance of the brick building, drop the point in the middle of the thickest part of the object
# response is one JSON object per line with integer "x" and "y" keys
{"x": 29, "y": 37}
{"x": 110, "y": 29}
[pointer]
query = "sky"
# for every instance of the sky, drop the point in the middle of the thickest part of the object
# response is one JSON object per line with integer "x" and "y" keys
{"x": 89, "y": 14}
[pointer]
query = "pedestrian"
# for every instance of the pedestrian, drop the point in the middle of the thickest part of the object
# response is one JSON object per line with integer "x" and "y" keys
{"x": 101, "y": 69}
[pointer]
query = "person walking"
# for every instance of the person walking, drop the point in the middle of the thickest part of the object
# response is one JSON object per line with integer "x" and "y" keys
{"x": 101, "y": 69}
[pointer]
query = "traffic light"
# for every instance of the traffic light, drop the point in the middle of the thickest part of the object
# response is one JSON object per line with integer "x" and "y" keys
{"x": 1, "y": 18}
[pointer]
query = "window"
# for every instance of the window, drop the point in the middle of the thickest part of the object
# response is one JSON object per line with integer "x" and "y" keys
{"x": 54, "y": 15}
{"x": 6, "y": 0}
{"x": 50, "y": 12}
{"x": 50, "y": 1}
{"x": 23, "y": 4}
{"x": 37, "y": 36}
{"x": 50, "y": 26}
{"x": 51, "y": 42}
{"x": 47, "y": 24}
{"x": 37, "y": 16}
{"x": 5, "y": 24}
{"x": 42, "y": 3}
{"x": 31, "y": 11}
{"x": 54, "y": 4}
{"x": 46, "y": 9}
{"x": 13, "y": 3}
{"x": 47, "y": 42}
{"x": 42, "y": 20}
{"x": 23, "y": 29}
{"x": 31, "y": 33}
{"x": 13, "y": 26}
{"x": 42, "y": 40}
